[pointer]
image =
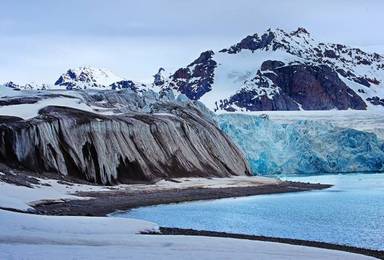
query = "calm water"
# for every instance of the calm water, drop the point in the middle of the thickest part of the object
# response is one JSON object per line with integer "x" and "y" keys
{"x": 352, "y": 212}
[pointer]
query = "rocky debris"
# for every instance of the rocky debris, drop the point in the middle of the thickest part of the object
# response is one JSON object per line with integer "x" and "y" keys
{"x": 173, "y": 140}
{"x": 19, "y": 179}
{"x": 106, "y": 202}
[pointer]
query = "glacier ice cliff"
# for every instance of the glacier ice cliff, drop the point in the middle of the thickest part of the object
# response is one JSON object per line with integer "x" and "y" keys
{"x": 142, "y": 138}
{"x": 303, "y": 147}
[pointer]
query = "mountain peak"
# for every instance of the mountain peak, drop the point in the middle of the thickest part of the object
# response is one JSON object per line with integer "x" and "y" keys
{"x": 272, "y": 39}
{"x": 86, "y": 76}
{"x": 300, "y": 31}
{"x": 263, "y": 71}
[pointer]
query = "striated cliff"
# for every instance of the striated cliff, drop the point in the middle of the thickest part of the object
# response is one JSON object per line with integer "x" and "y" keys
{"x": 124, "y": 148}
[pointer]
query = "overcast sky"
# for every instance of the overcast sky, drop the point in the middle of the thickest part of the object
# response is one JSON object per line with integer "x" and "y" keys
{"x": 41, "y": 39}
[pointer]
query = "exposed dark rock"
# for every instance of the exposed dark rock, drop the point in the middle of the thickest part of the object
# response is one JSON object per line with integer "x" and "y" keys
{"x": 361, "y": 90}
{"x": 317, "y": 88}
{"x": 9, "y": 119}
{"x": 19, "y": 100}
{"x": 159, "y": 78}
{"x": 11, "y": 84}
{"x": 120, "y": 149}
{"x": 299, "y": 31}
{"x": 376, "y": 101}
{"x": 196, "y": 79}
{"x": 295, "y": 86}
{"x": 330, "y": 54}
{"x": 271, "y": 64}
{"x": 255, "y": 42}
{"x": 126, "y": 84}
{"x": 362, "y": 81}
{"x": 245, "y": 99}
{"x": 346, "y": 74}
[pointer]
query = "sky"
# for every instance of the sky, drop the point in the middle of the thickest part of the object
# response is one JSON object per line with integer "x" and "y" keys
{"x": 41, "y": 39}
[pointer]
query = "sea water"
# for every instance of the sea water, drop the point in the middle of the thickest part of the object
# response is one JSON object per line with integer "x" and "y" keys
{"x": 349, "y": 213}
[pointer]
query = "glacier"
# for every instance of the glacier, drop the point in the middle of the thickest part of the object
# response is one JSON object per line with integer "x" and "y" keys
{"x": 302, "y": 146}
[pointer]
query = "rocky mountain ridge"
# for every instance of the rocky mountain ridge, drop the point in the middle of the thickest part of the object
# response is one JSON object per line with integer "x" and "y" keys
{"x": 275, "y": 70}
{"x": 283, "y": 71}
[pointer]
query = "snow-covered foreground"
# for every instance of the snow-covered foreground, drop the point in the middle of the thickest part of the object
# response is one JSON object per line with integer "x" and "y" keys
{"x": 24, "y": 236}
{"x": 22, "y": 197}
{"x": 28, "y": 236}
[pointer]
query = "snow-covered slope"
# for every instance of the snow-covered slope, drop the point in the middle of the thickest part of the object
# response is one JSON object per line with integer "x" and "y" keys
{"x": 283, "y": 71}
{"x": 85, "y": 78}
{"x": 24, "y": 236}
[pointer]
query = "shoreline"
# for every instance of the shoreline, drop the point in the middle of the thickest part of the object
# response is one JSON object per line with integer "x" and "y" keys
{"x": 164, "y": 231}
{"x": 102, "y": 203}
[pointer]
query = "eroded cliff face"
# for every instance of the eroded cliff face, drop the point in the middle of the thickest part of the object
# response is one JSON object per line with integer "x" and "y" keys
{"x": 125, "y": 148}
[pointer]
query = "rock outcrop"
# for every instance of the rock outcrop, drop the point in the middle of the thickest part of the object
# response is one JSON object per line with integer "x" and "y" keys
{"x": 295, "y": 87}
{"x": 196, "y": 79}
{"x": 125, "y": 148}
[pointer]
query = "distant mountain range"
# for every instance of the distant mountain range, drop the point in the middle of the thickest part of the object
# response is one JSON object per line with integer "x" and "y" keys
{"x": 276, "y": 70}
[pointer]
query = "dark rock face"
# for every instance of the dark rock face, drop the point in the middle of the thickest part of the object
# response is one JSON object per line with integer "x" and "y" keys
{"x": 121, "y": 148}
{"x": 126, "y": 84}
{"x": 196, "y": 79}
{"x": 317, "y": 88}
{"x": 245, "y": 99}
{"x": 271, "y": 64}
{"x": 70, "y": 74}
{"x": 158, "y": 78}
{"x": 295, "y": 86}
{"x": 255, "y": 42}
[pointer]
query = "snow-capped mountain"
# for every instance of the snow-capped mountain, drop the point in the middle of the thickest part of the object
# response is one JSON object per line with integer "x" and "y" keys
{"x": 84, "y": 78}
{"x": 283, "y": 71}
{"x": 87, "y": 77}
{"x": 28, "y": 86}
